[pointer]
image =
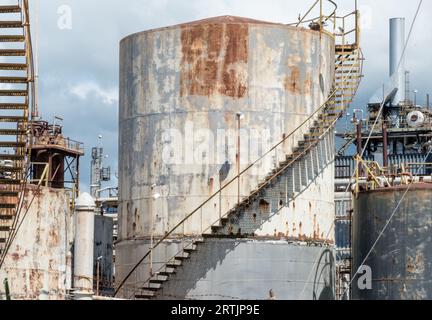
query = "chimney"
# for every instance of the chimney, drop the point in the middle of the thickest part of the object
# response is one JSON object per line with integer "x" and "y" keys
{"x": 397, "y": 44}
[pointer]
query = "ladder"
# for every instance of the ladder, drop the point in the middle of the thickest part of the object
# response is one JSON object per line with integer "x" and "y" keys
{"x": 16, "y": 80}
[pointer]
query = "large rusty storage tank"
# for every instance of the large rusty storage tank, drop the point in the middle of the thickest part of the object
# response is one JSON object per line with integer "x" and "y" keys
{"x": 401, "y": 262}
{"x": 186, "y": 92}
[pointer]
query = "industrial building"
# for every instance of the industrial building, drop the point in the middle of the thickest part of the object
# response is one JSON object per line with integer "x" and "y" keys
{"x": 231, "y": 183}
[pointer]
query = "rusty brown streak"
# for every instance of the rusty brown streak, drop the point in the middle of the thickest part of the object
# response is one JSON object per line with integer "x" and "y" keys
{"x": 211, "y": 56}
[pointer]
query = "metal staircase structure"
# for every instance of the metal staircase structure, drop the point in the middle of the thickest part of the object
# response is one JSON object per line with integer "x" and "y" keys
{"x": 348, "y": 74}
{"x": 16, "y": 103}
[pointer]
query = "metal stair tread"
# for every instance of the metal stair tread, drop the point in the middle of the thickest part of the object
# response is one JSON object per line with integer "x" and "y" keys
{"x": 13, "y": 52}
{"x": 10, "y": 181}
{"x": 16, "y": 157}
{"x": 13, "y": 93}
{"x": 10, "y": 9}
{"x": 12, "y": 38}
{"x": 12, "y": 119}
{"x": 13, "y": 80}
{"x": 13, "y": 106}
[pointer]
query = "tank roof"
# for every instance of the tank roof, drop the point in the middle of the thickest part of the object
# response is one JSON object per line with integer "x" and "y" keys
{"x": 218, "y": 20}
{"x": 227, "y": 19}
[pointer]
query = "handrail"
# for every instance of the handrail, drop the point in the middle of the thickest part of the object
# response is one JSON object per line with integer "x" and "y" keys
{"x": 302, "y": 20}
{"x": 236, "y": 178}
{"x": 322, "y": 18}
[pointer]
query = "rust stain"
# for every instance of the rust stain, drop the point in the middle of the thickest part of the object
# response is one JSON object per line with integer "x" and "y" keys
{"x": 292, "y": 81}
{"x": 264, "y": 206}
{"x": 53, "y": 238}
{"x": 416, "y": 265}
{"x": 296, "y": 83}
{"x": 214, "y": 60}
{"x": 315, "y": 233}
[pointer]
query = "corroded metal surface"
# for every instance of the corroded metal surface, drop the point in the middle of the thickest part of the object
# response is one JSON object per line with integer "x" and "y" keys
{"x": 401, "y": 262}
{"x": 196, "y": 78}
{"x": 36, "y": 265}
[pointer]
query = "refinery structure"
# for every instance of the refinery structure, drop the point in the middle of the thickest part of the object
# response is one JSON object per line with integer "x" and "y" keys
{"x": 231, "y": 183}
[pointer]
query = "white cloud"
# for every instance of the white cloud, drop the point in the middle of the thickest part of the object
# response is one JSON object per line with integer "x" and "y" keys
{"x": 86, "y": 89}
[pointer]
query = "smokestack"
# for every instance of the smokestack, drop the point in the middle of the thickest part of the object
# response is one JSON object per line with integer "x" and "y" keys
{"x": 84, "y": 245}
{"x": 397, "y": 44}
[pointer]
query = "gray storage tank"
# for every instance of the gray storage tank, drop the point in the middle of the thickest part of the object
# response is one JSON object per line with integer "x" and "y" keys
{"x": 401, "y": 262}
{"x": 185, "y": 94}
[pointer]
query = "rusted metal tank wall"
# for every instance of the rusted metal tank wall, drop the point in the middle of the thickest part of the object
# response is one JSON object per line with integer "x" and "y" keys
{"x": 196, "y": 78}
{"x": 201, "y": 75}
{"x": 36, "y": 266}
{"x": 401, "y": 262}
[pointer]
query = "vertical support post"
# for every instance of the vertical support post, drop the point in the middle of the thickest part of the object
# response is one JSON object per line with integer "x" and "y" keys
{"x": 385, "y": 144}
{"x": 358, "y": 167}
{"x": 239, "y": 118}
{"x": 7, "y": 290}
{"x": 321, "y": 17}
{"x": 77, "y": 175}
{"x": 97, "y": 276}
{"x": 359, "y": 143}
{"x": 49, "y": 173}
{"x": 427, "y": 102}
{"x": 220, "y": 197}
{"x": 151, "y": 232}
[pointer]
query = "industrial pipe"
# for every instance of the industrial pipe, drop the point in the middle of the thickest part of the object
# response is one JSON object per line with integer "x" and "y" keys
{"x": 84, "y": 247}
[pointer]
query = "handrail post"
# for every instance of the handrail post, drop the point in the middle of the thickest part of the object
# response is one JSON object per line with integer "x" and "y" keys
{"x": 321, "y": 17}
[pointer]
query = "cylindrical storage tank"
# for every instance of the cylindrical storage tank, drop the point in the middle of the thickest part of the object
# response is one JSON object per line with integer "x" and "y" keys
{"x": 36, "y": 264}
{"x": 201, "y": 101}
{"x": 400, "y": 265}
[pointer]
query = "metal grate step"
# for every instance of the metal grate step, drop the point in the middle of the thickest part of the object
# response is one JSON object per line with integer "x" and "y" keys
{"x": 13, "y": 66}
{"x": 10, "y": 181}
{"x": 10, "y": 169}
{"x": 13, "y": 80}
{"x": 13, "y": 106}
{"x": 13, "y": 93}
{"x": 12, "y": 38}
{"x": 12, "y": 119}
{"x": 14, "y": 157}
{"x": 12, "y": 144}
{"x": 8, "y": 193}
{"x": 10, "y": 9}
{"x": 12, "y": 132}
{"x": 11, "y": 24}
{"x": 12, "y": 52}
{"x": 7, "y": 206}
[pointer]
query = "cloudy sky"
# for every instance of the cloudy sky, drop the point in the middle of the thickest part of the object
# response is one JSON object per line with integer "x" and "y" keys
{"x": 78, "y": 57}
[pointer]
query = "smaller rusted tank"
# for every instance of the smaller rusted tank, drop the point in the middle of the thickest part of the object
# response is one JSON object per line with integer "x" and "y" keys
{"x": 401, "y": 262}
